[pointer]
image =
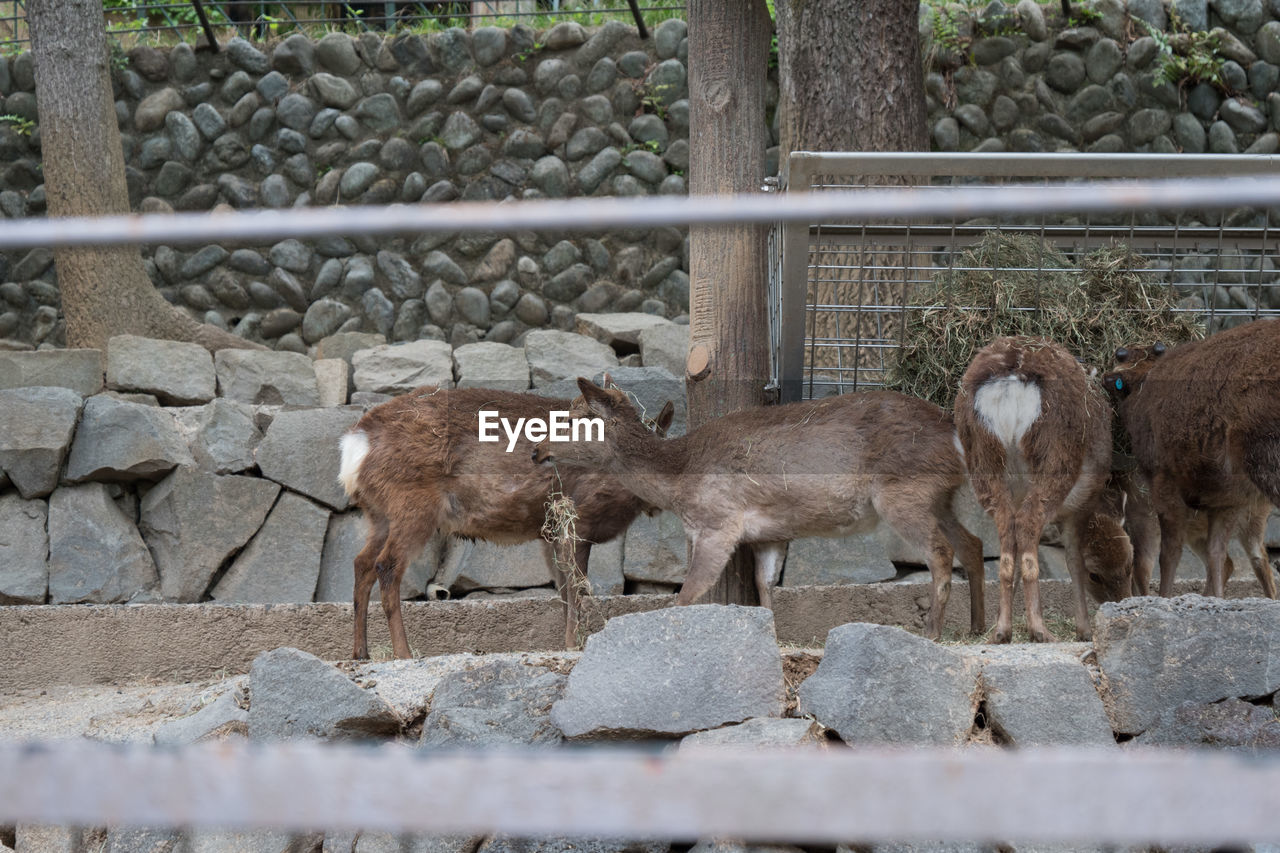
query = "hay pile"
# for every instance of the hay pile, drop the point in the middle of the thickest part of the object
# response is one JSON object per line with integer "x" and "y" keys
{"x": 1091, "y": 310}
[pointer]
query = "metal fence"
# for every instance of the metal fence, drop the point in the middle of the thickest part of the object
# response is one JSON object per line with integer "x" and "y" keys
{"x": 842, "y": 291}
{"x": 176, "y": 20}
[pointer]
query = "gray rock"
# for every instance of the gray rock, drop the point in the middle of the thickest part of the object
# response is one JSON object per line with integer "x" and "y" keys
{"x": 292, "y": 255}
{"x": 274, "y": 378}
{"x": 323, "y": 318}
{"x": 312, "y": 472}
{"x": 1242, "y": 117}
{"x": 1146, "y": 125}
{"x": 379, "y": 310}
{"x": 1151, "y": 11}
{"x": 674, "y": 671}
{"x": 24, "y": 550}
{"x": 337, "y": 53}
{"x": 406, "y": 283}
{"x": 193, "y": 521}
{"x": 395, "y": 369}
{"x": 252, "y": 841}
{"x": 334, "y": 91}
{"x": 248, "y": 57}
{"x": 1189, "y": 133}
{"x": 491, "y": 365}
{"x": 177, "y": 373}
{"x": 298, "y": 696}
{"x": 503, "y": 844}
{"x": 624, "y": 328}
{"x": 356, "y": 179}
{"x": 551, "y": 176}
{"x": 1065, "y": 72}
{"x": 473, "y": 306}
{"x": 556, "y": 355}
{"x": 859, "y": 558}
{"x": 569, "y": 284}
{"x": 655, "y": 550}
{"x": 880, "y": 684}
{"x": 1040, "y": 697}
{"x": 281, "y": 563}
{"x": 1231, "y": 724}
{"x": 766, "y": 732}
{"x": 380, "y": 113}
{"x": 664, "y": 345}
{"x": 222, "y": 435}
{"x": 95, "y": 553}
{"x": 1268, "y": 42}
{"x": 344, "y": 345}
{"x": 77, "y": 369}
{"x": 597, "y": 169}
{"x": 121, "y": 441}
{"x": 503, "y": 702}
{"x": 439, "y": 265}
{"x": 248, "y": 261}
{"x": 129, "y": 840}
{"x": 202, "y": 261}
{"x": 459, "y": 132}
{"x": 1156, "y": 653}
{"x": 531, "y": 310}
{"x": 151, "y": 111}
{"x": 344, "y": 539}
{"x": 1222, "y": 140}
{"x": 219, "y": 718}
{"x": 473, "y": 565}
{"x": 36, "y": 425}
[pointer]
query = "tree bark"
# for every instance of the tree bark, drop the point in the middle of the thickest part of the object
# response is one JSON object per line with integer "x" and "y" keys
{"x": 105, "y": 290}
{"x": 728, "y": 304}
{"x": 851, "y": 78}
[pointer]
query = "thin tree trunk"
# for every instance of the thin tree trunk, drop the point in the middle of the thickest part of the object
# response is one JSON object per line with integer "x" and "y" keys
{"x": 105, "y": 291}
{"x": 728, "y": 318}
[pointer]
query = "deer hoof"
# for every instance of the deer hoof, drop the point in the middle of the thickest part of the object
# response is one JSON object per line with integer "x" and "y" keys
{"x": 1002, "y": 636}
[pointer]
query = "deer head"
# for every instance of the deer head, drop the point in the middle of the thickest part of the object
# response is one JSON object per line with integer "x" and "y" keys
{"x": 1132, "y": 366}
{"x": 622, "y": 426}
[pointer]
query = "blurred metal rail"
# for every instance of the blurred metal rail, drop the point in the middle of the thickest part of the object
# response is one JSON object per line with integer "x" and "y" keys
{"x": 602, "y": 214}
{"x": 807, "y": 796}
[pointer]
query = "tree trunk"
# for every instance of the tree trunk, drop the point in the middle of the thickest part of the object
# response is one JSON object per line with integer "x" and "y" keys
{"x": 105, "y": 290}
{"x": 851, "y": 78}
{"x": 728, "y": 304}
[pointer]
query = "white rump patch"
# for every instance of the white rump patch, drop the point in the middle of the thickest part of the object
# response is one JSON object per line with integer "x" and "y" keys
{"x": 355, "y": 446}
{"x": 1008, "y": 407}
{"x": 955, "y": 439}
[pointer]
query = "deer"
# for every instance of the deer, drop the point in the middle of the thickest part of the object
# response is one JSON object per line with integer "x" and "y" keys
{"x": 1204, "y": 425}
{"x": 763, "y": 476}
{"x": 1036, "y": 434}
{"x": 417, "y": 467}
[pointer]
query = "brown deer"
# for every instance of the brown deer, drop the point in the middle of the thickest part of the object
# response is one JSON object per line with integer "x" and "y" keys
{"x": 764, "y": 476}
{"x": 417, "y": 467}
{"x": 1036, "y": 434}
{"x": 1204, "y": 425}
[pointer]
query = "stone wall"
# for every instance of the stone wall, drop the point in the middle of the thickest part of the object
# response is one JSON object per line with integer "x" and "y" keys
{"x": 481, "y": 115}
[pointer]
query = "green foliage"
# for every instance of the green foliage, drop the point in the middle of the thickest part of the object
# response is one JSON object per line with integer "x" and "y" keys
{"x": 1186, "y": 56}
{"x": 23, "y": 126}
{"x": 1083, "y": 16}
{"x": 525, "y": 54}
{"x": 652, "y": 99}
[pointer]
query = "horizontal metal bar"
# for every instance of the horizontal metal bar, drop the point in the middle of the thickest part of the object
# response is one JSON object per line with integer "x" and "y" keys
{"x": 1028, "y": 165}
{"x": 808, "y": 796}
{"x": 602, "y": 214}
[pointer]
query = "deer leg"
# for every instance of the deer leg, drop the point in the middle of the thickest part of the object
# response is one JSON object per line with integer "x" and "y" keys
{"x": 1072, "y": 537}
{"x": 769, "y": 559}
{"x": 365, "y": 575}
{"x": 404, "y": 542}
{"x": 969, "y": 548}
{"x": 1222, "y": 523}
{"x": 1173, "y": 520}
{"x": 1144, "y": 533}
{"x": 1030, "y": 524}
{"x": 1253, "y": 538}
{"x": 1008, "y": 574}
{"x": 708, "y": 554}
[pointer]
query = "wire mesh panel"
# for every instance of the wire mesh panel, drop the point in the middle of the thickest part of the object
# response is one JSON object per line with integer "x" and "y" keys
{"x": 847, "y": 292}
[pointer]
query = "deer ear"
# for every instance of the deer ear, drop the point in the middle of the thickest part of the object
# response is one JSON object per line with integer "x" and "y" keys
{"x": 663, "y": 422}
{"x": 1122, "y": 354}
{"x": 1158, "y": 348}
{"x": 596, "y": 398}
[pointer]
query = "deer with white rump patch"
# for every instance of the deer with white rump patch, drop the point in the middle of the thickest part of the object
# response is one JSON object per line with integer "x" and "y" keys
{"x": 416, "y": 466}
{"x": 1204, "y": 422}
{"x": 766, "y": 475}
{"x": 1036, "y": 434}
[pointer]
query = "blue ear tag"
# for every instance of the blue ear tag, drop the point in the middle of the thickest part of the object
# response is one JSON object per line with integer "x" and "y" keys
{"x": 1119, "y": 384}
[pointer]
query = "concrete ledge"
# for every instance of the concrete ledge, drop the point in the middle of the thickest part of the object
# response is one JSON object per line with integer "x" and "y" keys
{"x": 49, "y": 645}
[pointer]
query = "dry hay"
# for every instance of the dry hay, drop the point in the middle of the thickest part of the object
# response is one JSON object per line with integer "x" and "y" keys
{"x": 1105, "y": 303}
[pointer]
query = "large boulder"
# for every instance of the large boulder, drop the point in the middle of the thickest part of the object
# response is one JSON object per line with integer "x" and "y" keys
{"x": 221, "y": 717}
{"x": 503, "y": 844}
{"x": 120, "y": 441}
{"x": 476, "y": 564}
{"x": 1041, "y": 696}
{"x": 821, "y": 561}
{"x": 665, "y": 346}
{"x": 556, "y": 355}
{"x": 24, "y": 550}
{"x": 767, "y": 732}
{"x": 264, "y": 376}
{"x": 1230, "y": 724}
{"x": 221, "y": 435}
{"x": 621, "y": 331}
{"x": 880, "y": 684}
{"x": 296, "y": 695}
{"x": 96, "y": 555}
{"x": 1156, "y": 653}
{"x": 177, "y": 373}
{"x": 36, "y": 425}
{"x": 503, "y": 702}
{"x": 193, "y": 521}
{"x": 674, "y": 671}
{"x": 491, "y": 365}
{"x": 397, "y": 368}
{"x": 300, "y": 452}
{"x": 656, "y": 549}
{"x": 77, "y": 369}
{"x": 281, "y": 564}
